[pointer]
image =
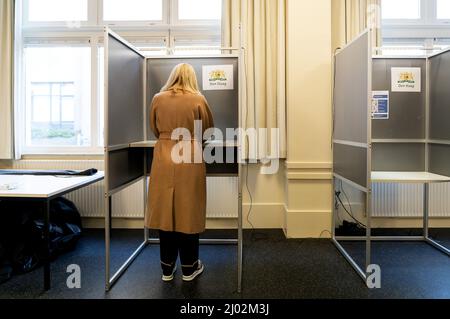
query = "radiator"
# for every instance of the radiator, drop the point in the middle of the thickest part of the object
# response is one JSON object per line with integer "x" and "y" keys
{"x": 406, "y": 200}
{"x": 222, "y": 192}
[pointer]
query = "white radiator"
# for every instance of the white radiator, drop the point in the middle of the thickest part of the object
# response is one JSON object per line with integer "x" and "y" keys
{"x": 406, "y": 200}
{"x": 222, "y": 192}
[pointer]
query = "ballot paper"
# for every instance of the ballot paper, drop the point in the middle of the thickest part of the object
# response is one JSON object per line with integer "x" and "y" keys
{"x": 8, "y": 187}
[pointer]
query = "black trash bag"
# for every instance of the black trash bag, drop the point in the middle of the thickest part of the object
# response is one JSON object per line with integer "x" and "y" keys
{"x": 20, "y": 242}
{"x": 64, "y": 214}
{"x": 63, "y": 211}
{"x": 5, "y": 267}
{"x": 63, "y": 238}
{"x": 23, "y": 237}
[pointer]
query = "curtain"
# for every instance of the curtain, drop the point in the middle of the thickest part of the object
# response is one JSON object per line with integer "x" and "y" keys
{"x": 259, "y": 27}
{"x": 351, "y": 17}
{"x": 6, "y": 77}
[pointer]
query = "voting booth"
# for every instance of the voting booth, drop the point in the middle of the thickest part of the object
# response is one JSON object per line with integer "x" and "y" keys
{"x": 391, "y": 125}
{"x": 131, "y": 81}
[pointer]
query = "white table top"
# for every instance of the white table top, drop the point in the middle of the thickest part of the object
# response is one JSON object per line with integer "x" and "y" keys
{"x": 408, "y": 177}
{"x": 143, "y": 144}
{"x": 29, "y": 186}
{"x": 150, "y": 144}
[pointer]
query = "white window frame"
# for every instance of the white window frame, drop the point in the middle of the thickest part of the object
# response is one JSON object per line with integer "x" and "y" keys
{"x": 421, "y": 21}
{"x": 91, "y": 17}
{"x": 439, "y": 21}
{"x": 94, "y": 148}
{"x": 168, "y": 30}
{"x": 428, "y": 26}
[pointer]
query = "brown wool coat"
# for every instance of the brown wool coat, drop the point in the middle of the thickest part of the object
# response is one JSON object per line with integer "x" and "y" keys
{"x": 177, "y": 192}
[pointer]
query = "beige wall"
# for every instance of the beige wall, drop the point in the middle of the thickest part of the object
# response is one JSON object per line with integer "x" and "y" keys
{"x": 308, "y": 167}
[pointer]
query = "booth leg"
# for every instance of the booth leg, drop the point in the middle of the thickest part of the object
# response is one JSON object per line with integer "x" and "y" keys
{"x": 240, "y": 245}
{"x": 426, "y": 221}
{"x": 107, "y": 242}
{"x": 426, "y": 215}
{"x": 368, "y": 231}
{"x": 335, "y": 239}
{"x": 333, "y": 209}
{"x": 240, "y": 239}
{"x": 146, "y": 230}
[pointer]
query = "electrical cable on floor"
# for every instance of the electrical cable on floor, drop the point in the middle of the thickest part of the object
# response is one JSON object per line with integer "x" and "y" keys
{"x": 254, "y": 235}
{"x": 336, "y": 207}
{"x": 250, "y": 196}
{"x": 325, "y": 231}
{"x": 350, "y": 213}
{"x": 247, "y": 155}
{"x": 247, "y": 159}
{"x": 346, "y": 197}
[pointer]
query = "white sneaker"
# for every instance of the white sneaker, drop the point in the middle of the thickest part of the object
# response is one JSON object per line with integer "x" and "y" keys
{"x": 196, "y": 273}
{"x": 170, "y": 278}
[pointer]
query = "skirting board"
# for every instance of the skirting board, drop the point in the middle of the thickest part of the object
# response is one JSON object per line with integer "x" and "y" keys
{"x": 308, "y": 224}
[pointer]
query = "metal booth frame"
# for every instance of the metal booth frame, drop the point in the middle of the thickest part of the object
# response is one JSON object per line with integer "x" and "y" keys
{"x": 367, "y": 189}
{"x": 111, "y": 280}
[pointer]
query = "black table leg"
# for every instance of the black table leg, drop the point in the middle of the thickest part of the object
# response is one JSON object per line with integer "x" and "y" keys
{"x": 46, "y": 250}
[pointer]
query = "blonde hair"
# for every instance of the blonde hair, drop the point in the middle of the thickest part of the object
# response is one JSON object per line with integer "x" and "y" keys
{"x": 182, "y": 78}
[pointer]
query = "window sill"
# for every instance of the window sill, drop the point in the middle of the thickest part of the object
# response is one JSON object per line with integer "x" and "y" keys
{"x": 416, "y": 31}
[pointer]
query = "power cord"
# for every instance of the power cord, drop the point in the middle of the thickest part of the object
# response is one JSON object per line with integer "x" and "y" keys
{"x": 325, "y": 231}
{"x": 350, "y": 213}
{"x": 247, "y": 159}
{"x": 250, "y": 196}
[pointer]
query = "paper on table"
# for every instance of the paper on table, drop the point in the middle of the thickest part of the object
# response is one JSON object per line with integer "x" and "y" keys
{"x": 8, "y": 187}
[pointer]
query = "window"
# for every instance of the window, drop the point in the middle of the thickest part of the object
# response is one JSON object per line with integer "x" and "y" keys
{"x": 61, "y": 10}
{"x": 199, "y": 10}
{"x": 57, "y": 96}
{"x": 443, "y": 9}
{"x": 52, "y": 104}
{"x": 61, "y": 92}
{"x": 400, "y": 9}
{"x": 418, "y": 24}
{"x": 133, "y": 10}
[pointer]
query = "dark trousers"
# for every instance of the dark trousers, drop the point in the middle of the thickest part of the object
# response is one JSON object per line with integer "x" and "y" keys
{"x": 172, "y": 244}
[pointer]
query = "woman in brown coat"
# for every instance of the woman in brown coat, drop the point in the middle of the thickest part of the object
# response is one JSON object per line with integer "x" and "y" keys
{"x": 177, "y": 192}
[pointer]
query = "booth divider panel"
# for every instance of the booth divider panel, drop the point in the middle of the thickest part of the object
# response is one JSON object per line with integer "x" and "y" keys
{"x": 407, "y": 110}
{"x": 398, "y": 157}
{"x": 125, "y": 94}
{"x": 351, "y": 92}
{"x": 225, "y": 169}
{"x": 440, "y": 159}
{"x": 440, "y": 97}
{"x": 125, "y": 166}
{"x": 350, "y": 162}
{"x": 224, "y": 104}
